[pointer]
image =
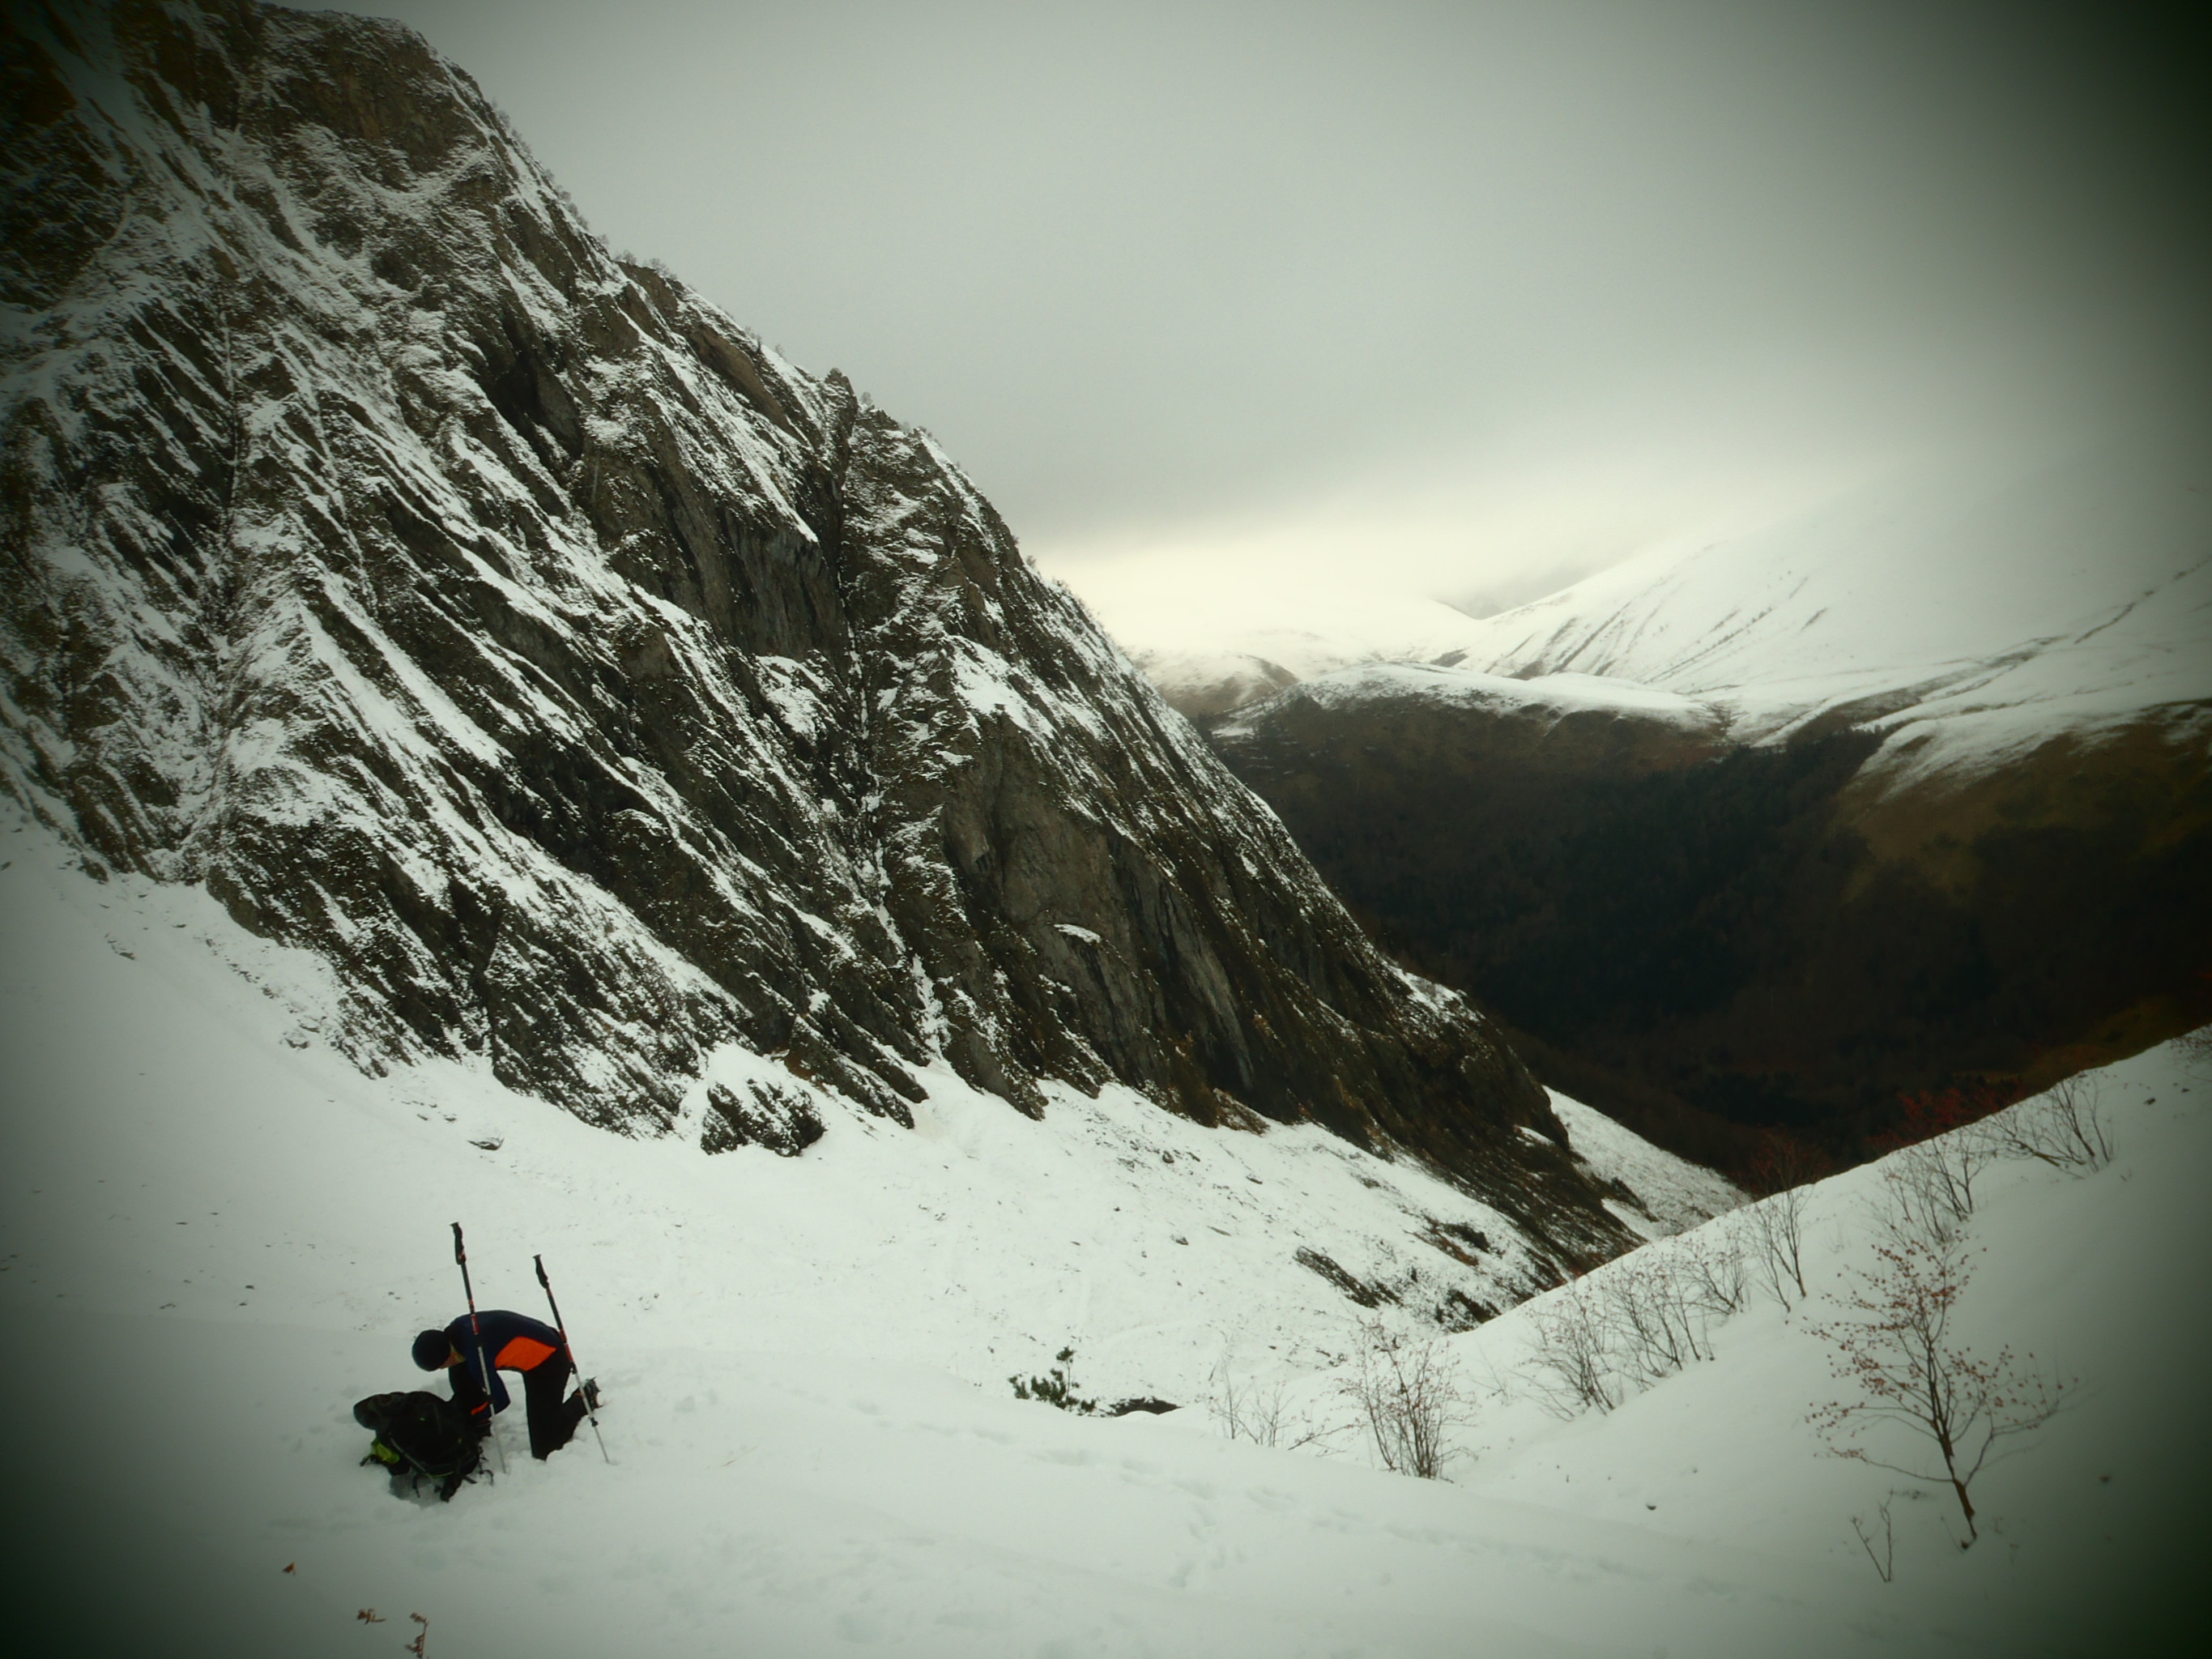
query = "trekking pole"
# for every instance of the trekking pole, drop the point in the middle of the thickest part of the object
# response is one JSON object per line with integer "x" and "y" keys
{"x": 582, "y": 1386}
{"x": 483, "y": 1365}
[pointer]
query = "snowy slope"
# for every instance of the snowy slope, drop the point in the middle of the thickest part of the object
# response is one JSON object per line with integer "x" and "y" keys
{"x": 1665, "y": 1195}
{"x": 1985, "y": 606}
{"x": 2089, "y": 1530}
{"x": 219, "y": 1233}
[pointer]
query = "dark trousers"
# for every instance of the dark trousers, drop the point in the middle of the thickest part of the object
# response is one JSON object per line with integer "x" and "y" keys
{"x": 552, "y": 1419}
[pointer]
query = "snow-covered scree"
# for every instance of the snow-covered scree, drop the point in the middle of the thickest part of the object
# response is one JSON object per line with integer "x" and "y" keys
{"x": 218, "y": 1234}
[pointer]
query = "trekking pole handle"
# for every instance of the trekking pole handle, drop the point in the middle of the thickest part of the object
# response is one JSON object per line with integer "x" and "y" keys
{"x": 561, "y": 1325}
{"x": 460, "y": 1254}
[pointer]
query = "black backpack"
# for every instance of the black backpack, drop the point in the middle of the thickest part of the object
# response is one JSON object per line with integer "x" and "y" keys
{"x": 418, "y": 1434}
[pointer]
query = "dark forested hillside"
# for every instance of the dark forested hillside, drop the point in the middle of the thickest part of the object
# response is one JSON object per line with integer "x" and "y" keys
{"x": 1709, "y": 938}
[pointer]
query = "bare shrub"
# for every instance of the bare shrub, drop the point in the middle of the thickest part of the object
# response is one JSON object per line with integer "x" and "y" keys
{"x": 1721, "y": 1276}
{"x": 1258, "y": 1412}
{"x": 1885, "y": 1561}
{"x": 1652, "y": 1307}
{"x": 1772, "y": 1230}
{"x": 1407, "y": 1392}
{"x": 1916, "y": 1210}
{"x": 1893, "y": 1350}
{"x": 1944, "y": 1170}
{"x": 1946, "y": 1140}
{"x": 1774, "y": 1238}
{"x": 1571, "y": 1368}
{"x": 1634, "y": 1322}
{"x": 2065, "y": 1128}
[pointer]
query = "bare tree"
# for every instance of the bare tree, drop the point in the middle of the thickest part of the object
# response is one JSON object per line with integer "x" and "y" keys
{"x": 1408, "y": 1394}
{"x": 2064, "y": 1126}
{"x": 1893, "y": 1350}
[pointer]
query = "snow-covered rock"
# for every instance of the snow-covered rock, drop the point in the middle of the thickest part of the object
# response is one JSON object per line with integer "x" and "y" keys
{"x": 597, "y": 691}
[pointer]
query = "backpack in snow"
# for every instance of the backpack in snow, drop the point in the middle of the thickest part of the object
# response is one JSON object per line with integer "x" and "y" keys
{"x": 420, "y": 1433}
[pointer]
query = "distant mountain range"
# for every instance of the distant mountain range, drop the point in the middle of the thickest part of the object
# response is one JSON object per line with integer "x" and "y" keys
{"x": 1913, "y": 790}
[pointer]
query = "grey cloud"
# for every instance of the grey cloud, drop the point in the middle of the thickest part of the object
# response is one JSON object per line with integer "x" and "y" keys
{"x": 1136, "y": 265}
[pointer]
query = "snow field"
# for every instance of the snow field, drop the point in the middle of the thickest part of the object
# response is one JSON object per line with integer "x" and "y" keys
{"x": 2097, "y": 1278}
{"x": 816, "y": 1449}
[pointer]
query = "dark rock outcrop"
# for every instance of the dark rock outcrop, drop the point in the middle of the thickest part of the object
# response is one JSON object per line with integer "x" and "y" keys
{"x": 592, "y": 686}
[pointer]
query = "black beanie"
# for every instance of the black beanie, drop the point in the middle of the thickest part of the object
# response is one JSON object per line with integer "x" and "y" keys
{"x": 431, "y": 1349}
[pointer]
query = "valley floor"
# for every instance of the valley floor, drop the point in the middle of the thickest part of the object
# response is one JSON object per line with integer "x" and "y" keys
{"x": 217, "y": 1235}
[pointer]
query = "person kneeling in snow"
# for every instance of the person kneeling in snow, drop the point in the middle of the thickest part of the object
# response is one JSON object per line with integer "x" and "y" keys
{"x": 512, "y": 1342}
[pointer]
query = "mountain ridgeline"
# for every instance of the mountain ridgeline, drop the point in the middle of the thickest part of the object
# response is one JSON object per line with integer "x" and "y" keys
{"x": 591, "y": 687}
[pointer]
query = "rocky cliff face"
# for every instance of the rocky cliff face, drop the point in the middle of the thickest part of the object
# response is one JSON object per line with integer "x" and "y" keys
{"x": 594, "y": 687}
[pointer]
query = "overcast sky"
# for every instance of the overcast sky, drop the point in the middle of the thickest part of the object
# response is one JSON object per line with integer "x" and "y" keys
{"x": 1459, "y": 299}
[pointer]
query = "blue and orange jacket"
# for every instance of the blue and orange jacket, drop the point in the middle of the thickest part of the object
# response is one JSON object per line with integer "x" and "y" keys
{"x": 512, "y": 1342}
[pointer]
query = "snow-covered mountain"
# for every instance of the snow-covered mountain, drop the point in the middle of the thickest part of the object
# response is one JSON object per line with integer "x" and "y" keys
{"x": 606, "y": 698}
{"x": 1971, "y": 606}
{"x": 1913, "y": 789}
{"x": 1204, "y": 675}
{"x": 1969, "y": 613}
